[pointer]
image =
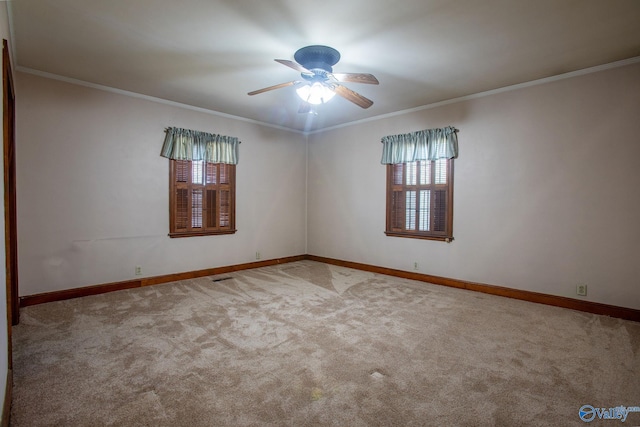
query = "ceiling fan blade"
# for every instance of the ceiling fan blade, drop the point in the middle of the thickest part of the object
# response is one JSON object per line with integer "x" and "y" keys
{"x": 293, "y": 65}
{"x": 356, "y": 78}
{"x": 352, "y": 96}
{"x": 266, "y": 89}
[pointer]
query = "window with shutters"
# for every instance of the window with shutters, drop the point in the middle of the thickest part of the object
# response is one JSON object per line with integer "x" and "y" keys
{"x": 201, "y": 198}
{"x": 420, "y": 199}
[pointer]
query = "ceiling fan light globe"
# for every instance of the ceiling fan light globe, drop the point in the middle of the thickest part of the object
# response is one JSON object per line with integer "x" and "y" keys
{"x": 315, "y": 93}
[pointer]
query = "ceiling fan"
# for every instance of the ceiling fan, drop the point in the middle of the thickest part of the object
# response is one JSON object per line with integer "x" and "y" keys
{"x": 319, "y": 83}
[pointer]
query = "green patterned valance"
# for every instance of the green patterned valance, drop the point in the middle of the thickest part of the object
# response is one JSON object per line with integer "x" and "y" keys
{"x": 186, "y": 144}
{"x": 428, "y": 144}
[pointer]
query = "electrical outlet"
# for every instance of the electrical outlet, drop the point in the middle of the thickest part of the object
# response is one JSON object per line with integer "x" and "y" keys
{"x": 415, "y": 265}
{"x": 581, "y": 290}
{"x": 258, "y": 255}
{"x": 138, "y": 270}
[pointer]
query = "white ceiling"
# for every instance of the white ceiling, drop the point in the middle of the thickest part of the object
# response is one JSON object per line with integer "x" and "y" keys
{"x": 210, "y": 53}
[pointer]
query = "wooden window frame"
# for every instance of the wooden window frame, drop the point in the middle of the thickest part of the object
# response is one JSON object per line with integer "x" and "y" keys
{"x": 206, "y": 228}
{"x": 396, "y": 221}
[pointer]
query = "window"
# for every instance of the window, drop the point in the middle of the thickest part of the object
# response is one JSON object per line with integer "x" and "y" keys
{"x": 420, "y": 199}
{"x": 201, "y": 198}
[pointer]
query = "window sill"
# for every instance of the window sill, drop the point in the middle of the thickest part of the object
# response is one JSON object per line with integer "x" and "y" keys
{"x": 200, "y": 233}
{"x": 447, "y": 239}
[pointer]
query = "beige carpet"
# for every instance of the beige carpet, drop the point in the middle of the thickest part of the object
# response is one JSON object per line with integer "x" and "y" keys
{"x": 305, "y": 344}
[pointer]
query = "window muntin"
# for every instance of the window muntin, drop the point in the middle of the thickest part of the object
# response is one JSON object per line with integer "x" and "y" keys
{"x": 202, "y": 198}
{"x": 420, "y": 199}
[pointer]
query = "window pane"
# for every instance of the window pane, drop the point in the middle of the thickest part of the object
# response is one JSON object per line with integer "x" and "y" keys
{"x": 425, "y": 210}
{"x": 212, "y": 173}
{"x": 196, "y": 171}
{"x": 196, "y": 208}
{"x": 225, "y": 208}
{"x": 441, "y": 171}
{"x": 412, "y": 173}
{"x": 410, "y": 210}
{"x": 425, "y": 172}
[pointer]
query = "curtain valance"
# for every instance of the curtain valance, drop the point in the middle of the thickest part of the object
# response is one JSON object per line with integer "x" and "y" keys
{"x": 428, "y": 144}
{"x": 186, "y": 144}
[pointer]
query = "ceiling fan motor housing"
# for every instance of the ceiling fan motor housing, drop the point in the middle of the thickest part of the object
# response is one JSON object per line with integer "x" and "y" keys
{"x": 317, "y": 57}
{"x": 319, "y": 85}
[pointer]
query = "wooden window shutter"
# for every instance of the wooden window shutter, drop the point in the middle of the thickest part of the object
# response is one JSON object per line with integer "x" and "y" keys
{"x": 440, "y": 211}
{"x": 182, "y": 209}
{"x": 210, "y": 210}
{"x": 211, "y": 173}
{"x": 196, "y": 208}
{"x": 420, "y": 199}
{"x": 182, "y": 171}
{"x": 202, "y": 198}
{"x": 397, "y": 210}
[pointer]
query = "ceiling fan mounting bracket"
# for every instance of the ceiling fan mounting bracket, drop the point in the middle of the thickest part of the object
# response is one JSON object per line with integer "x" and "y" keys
{"x": 317, "y": 57}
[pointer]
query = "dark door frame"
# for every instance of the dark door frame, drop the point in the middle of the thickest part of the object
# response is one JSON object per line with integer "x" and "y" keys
{"x": 10, "y": 214}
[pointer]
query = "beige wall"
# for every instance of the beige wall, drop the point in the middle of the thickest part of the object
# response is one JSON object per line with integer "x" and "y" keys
{"x": 546, "y": 190}
{"x": 93, "y": 189}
